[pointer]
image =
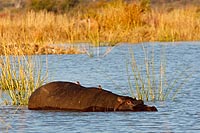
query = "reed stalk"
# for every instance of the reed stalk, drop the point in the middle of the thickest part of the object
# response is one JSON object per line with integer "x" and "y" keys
{"x": 151, "y": 84}
{"x": 20, "y": 76}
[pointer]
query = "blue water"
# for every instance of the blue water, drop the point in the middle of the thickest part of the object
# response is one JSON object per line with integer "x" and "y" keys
{"x": 180, "y": 115}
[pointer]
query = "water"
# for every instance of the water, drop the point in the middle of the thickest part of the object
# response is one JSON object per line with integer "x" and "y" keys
{"x": 180, "y": 115}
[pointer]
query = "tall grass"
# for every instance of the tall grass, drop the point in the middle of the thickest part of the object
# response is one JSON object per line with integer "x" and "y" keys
{"x": 20, "y": 76}
{"x": 34, "y": 33}
{"x": 126, "y": 22}
{"x": 176, "y": 25}
{"x": 149, "y": 80}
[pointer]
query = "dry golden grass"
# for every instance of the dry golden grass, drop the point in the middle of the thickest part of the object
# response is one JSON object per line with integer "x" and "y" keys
{"x": 35, "y": 32}
{"x": 181, "y": 24}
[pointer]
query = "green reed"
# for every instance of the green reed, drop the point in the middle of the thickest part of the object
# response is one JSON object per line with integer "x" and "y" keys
{"x": 20, "y": 76}
{"x": 149, "y": 82}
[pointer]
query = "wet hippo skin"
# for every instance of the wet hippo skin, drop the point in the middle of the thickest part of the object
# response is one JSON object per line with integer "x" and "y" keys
{"x": 74, "y": 97}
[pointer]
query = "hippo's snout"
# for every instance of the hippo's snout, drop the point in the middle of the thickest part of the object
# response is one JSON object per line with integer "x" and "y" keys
{"x": 130, "y": 104}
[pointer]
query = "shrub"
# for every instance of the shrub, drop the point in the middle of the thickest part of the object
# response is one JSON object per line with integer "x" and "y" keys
{"x": 52, "y": 5}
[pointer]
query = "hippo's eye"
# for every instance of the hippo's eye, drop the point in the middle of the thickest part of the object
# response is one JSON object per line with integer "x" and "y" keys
{"x": 128, "y": 102}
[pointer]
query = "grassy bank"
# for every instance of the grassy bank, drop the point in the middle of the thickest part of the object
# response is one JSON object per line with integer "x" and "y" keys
{"x": 33, "y": 32}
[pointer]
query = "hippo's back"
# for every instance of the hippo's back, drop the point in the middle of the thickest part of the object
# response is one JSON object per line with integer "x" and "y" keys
{"x": 68, "y": 96}
{"x": 52, "y": 95}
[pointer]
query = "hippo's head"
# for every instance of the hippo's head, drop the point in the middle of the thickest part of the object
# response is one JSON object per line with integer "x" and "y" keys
{"x": 130, "y": 104}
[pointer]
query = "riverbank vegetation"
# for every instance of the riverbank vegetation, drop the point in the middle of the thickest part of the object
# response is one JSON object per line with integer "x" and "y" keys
{"x": 42, "y": 25}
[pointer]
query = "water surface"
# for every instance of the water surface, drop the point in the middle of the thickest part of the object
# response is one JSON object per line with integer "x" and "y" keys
{"x": 180, "y": 115}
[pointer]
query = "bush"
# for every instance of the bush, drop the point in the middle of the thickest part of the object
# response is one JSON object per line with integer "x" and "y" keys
{"x": 145, "y": 5}
{"x": 48, "y": 5}
{"x": 66, "y": 5}
{"x": 52, "y": 5}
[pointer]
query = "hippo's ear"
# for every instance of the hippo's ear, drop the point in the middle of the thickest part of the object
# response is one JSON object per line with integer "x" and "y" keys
{"x": 119, "y": 102}
{"x": 119, "y": 99}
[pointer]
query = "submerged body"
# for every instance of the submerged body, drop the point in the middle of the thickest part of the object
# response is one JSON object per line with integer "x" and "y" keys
{"x": 74, "y": 97}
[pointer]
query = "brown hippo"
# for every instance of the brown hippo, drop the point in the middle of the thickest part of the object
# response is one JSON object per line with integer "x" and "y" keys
{"x": 74, "y": 97}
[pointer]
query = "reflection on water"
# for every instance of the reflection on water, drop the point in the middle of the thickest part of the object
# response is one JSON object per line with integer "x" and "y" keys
{"x": 181, "y": 115}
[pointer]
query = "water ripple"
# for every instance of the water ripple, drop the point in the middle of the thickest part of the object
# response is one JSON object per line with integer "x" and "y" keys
{"x": 181, "y": 115}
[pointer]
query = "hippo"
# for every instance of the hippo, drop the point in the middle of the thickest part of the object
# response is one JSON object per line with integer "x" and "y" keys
{"x": 69, "y": 96}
